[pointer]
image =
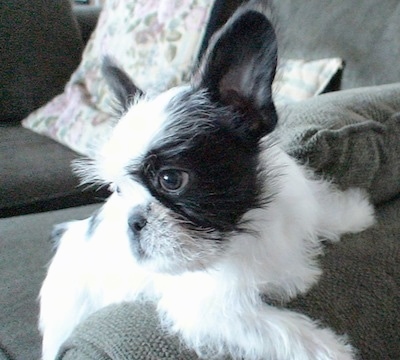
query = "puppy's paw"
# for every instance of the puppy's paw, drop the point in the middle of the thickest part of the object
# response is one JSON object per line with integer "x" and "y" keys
{"x": 359, "y": 214}
{"x": 345, "y": 212}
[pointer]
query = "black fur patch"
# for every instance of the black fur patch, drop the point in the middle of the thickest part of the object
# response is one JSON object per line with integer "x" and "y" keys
{"x": 239, "y": 69}
{"x": 222, "y": 164}
{"x": 122, "y": 86}
{"x": 214, "y": 128}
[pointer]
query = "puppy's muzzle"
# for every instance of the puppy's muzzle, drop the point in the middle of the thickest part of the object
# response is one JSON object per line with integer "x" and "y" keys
{"x": 137, "y": 221}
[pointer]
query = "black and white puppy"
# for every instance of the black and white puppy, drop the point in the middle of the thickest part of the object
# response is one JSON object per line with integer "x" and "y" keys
{"x": 207, "y": 216}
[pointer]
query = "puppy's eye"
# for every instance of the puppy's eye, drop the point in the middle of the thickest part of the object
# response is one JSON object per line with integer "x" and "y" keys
{"x": 173, "y": 180}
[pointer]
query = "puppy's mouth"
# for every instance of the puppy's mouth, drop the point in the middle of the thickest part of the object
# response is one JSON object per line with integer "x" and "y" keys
{"x": 167, "y": 244}
{"x": 138, "y": 250}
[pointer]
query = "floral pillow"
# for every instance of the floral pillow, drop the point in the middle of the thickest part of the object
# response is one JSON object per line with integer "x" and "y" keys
{"x": 157, "y": 43}
{"x": 298, "y": 80}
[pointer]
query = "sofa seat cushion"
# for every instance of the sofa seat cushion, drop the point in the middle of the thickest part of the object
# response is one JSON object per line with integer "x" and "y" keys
{"x": 35, "y": 174}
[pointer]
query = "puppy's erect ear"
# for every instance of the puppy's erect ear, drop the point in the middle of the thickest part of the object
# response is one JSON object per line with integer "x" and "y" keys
{"x": 238, "y": 70}
{"x": 120, "y": 83}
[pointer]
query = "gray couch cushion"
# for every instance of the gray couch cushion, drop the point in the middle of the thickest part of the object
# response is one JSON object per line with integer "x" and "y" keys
{"x": 40, "y": 47}
{"x": 365, "y": 34}
{"x": 352, "y": 137}
{"x": 36, "y": 175}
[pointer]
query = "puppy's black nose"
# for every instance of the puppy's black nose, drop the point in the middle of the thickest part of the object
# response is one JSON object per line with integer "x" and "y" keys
{"x": 137, "y": 221}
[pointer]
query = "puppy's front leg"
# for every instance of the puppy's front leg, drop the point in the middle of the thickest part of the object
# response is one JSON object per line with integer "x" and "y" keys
{"x": 63, "y": 298}
{"x": 92, "y": 268}
{"x": 281, "y": 334}
{"x": 264, "y": 333}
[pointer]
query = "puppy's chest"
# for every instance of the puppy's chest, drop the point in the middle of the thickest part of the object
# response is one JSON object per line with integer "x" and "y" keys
{"x": 184, "y": 293}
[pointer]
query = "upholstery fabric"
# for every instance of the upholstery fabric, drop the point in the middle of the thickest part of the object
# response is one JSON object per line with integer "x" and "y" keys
{"x": 352, "y": 137}
{"x": 36, "y": 174}
{"x": 126, "y": 331}
{"x": 40, "y": 46}
{"x": 362, "y": 33}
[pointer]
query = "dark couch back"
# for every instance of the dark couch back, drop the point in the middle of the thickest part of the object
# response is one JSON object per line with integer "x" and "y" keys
{"x": 40, "y": 46}
{"x": 364, "y": 33}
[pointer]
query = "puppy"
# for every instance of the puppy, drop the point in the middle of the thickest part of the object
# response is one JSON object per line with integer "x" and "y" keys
{"x": 208, "y": 216}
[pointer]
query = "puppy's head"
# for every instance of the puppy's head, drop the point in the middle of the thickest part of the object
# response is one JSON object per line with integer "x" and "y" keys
{"x": 185, "y": 163}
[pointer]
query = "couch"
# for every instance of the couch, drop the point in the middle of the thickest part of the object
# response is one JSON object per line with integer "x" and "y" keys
{"x": 351, "y": 136}
{"x": 41, "y": 46}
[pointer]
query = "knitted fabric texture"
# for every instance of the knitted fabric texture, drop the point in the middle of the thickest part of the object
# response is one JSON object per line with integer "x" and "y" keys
{"x": 351, "y": 137}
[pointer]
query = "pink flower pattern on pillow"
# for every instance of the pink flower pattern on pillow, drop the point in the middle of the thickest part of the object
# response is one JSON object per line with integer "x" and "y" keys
{"x": 155, "y": 41}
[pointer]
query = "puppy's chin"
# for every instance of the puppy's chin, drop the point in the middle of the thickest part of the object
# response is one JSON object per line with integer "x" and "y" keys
{"x": 170, "y": 245}
{"x": 176, "y": 254}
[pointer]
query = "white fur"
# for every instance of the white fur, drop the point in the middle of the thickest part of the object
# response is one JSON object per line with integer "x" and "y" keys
{"x": 136, "y": 132}
{"x": 218, "y": 310}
